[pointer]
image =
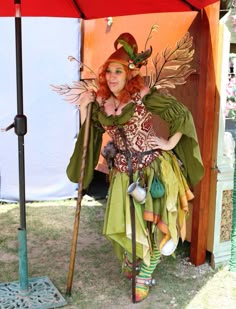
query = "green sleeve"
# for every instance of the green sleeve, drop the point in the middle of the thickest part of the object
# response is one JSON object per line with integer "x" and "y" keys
{"x": 179, "y": 119}
{"x": 93, "y": 151}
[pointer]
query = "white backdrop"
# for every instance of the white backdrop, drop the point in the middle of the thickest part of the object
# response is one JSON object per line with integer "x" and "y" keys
{"x": 52, "y": 122}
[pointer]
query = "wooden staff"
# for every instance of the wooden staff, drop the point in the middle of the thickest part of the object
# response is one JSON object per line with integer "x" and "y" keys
{"x": 133, "y": 234}
{"x": 79, "y": 199}
{"x": 132, "y": 216}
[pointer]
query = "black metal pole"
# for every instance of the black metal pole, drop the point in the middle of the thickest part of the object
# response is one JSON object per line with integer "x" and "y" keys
{"x": 20, "y": 119}
{"x": 20, "y": 125}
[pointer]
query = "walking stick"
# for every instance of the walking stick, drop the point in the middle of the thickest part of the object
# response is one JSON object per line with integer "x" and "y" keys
{"x": 133, "y": 233}
{"x": 132, "y": 217}
{"x": 78, "y": 205}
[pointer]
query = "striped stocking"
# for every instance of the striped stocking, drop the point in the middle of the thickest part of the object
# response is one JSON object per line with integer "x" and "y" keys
{"x": 146, "y": 271}
{"x": 142, "y": 284}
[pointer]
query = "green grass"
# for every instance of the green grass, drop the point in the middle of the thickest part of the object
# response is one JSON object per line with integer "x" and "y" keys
{"x": 98, "y": 282}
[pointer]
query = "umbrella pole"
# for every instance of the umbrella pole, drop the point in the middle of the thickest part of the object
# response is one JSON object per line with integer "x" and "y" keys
{"x": 78, "y": 206}
{"x": 25, "y": 293}
{"x": 20, "y": 124}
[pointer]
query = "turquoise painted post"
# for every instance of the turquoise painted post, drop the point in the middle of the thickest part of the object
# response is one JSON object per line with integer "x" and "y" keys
{"x": 23, "y": 260}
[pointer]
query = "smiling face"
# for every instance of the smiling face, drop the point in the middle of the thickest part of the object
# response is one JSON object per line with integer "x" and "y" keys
{"x": 115, "y": 77}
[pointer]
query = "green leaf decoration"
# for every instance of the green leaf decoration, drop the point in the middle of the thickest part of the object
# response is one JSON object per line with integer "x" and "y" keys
{"x": 129, "y": 50}
{"x": 140, "y": 57}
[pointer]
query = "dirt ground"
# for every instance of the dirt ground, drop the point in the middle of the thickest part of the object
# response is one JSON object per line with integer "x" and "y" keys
{"x": 179, "y": 283}
{"x": 97, "y": 280}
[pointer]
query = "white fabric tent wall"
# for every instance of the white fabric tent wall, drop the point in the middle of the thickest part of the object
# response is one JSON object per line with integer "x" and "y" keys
{"x": 52, "y": 122}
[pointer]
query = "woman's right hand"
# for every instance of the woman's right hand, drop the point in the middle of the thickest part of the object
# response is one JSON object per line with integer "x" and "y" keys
{"x": 86, "y": 98}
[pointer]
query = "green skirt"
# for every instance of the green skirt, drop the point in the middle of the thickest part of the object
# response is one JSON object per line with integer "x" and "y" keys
{"x": 166, "y": 214}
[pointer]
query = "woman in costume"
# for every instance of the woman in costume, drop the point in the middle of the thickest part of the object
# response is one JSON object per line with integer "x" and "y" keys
{"x": 142, "y": 162}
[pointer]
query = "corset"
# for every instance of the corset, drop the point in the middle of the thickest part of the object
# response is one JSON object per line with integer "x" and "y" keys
{"x": 136, "y": 137}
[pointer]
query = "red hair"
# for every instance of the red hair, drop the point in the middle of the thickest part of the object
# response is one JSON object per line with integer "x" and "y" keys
{"x": 132, "y": 86}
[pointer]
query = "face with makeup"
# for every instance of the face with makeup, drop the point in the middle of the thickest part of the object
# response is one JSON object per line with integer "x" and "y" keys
{"x": 115, "y": 77}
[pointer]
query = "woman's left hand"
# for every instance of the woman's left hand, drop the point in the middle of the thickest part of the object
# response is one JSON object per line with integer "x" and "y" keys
{"x": 164, "y": 144}
{"x": 170, "y": 143}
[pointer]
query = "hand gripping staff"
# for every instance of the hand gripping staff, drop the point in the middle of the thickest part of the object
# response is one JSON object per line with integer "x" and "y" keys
{"x": 78, "y": 205}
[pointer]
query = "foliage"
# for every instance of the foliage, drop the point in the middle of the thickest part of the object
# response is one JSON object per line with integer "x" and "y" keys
{"x": 230, "y": 108}
{"x": 226, "y": 4}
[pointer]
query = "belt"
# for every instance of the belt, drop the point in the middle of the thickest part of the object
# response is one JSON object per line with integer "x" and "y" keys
{"x": 138, "y": 153}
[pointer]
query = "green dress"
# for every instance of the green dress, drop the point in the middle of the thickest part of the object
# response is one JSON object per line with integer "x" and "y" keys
{"x": 166, "y": 214}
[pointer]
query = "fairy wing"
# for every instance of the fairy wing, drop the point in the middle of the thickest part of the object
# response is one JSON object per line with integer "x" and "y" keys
{"x": 73, "y": 92}
{"x": 171, "y": 67}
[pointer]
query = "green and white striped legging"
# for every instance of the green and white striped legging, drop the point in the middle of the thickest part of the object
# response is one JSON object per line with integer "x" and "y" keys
{"x": 146, "y": 271}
